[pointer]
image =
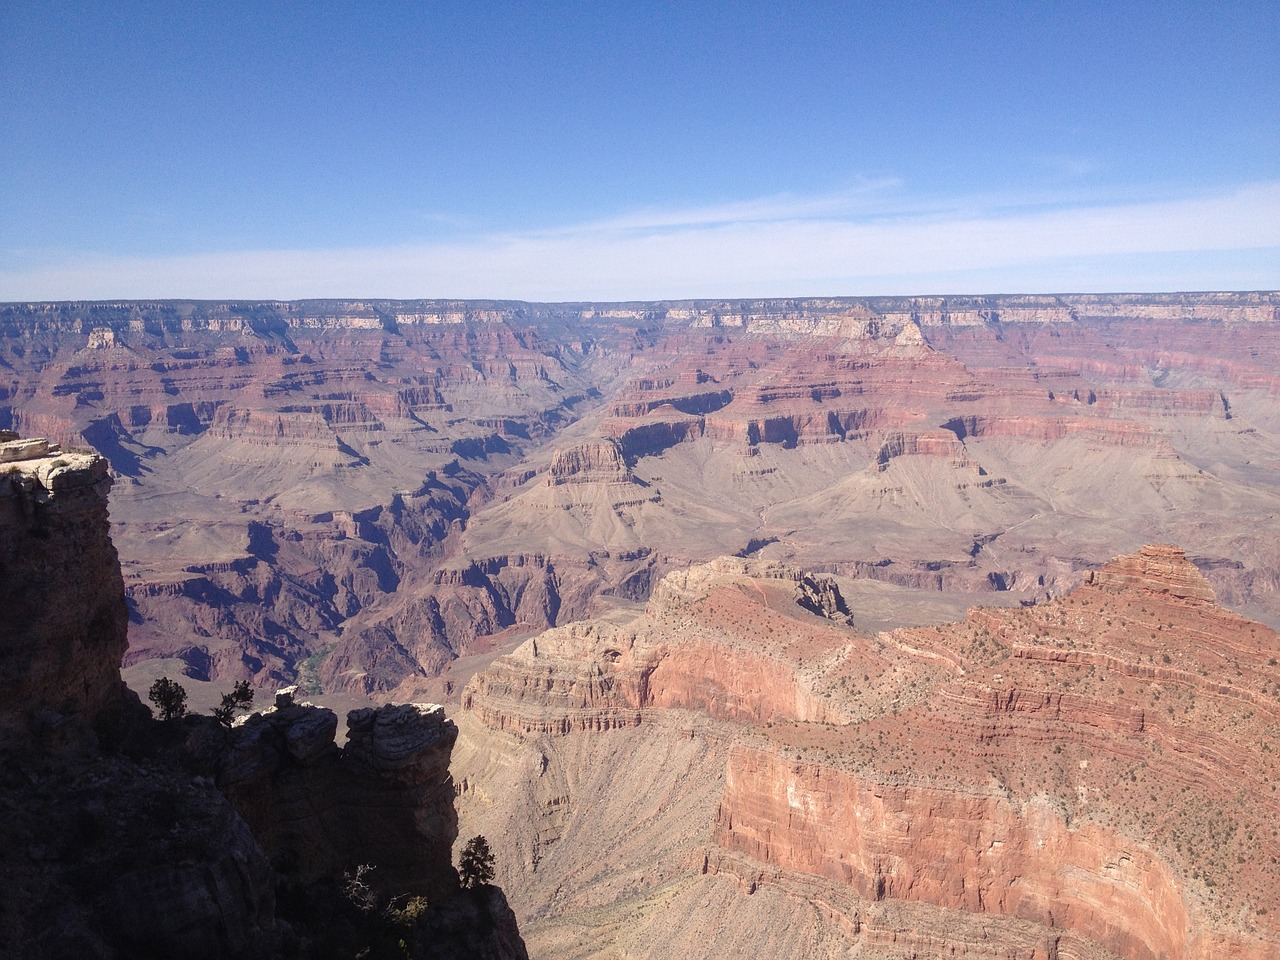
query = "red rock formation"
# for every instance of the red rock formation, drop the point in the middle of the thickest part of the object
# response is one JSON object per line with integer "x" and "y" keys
{"x": 977, "y": 853}
{"x": 599, "y": 462}
{"x": 958, "y": 444}
{"x": 1155, "y": 569}
{"x": 598, "y": 677}
{"x": 1096, "y": 767}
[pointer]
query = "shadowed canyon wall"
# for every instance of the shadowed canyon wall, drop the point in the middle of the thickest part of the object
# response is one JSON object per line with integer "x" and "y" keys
{"x": 122, "y": 836}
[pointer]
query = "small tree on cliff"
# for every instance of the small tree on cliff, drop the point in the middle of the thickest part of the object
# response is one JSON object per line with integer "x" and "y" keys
{"x": 169, "y": 697}
{"x": 476, "y": 865}
{"x": 241, "y": 696}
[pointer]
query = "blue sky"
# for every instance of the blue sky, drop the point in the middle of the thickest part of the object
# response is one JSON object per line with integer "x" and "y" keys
{"x": 614, "y": 151}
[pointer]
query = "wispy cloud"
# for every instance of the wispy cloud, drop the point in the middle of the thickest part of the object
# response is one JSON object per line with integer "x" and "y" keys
{"x": 853, "y": 242}
{"x": 866, "y": 198}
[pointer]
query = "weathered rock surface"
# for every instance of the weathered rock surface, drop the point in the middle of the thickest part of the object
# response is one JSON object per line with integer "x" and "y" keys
{"x": 112, "y": 856}
{"x": 1083, "y": 777}
{"x": 1155, "y": 569}
{"x": 366, "y": 483}
{"x": 62, "y": 626}
{"x": 121, "y": 836}
{"x": 599, "y": 676}
{"x": 384, "y": 799}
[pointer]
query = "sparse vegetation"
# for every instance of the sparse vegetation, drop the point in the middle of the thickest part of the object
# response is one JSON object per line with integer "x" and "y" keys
{"x": 362, "y": 925}
{"x": 169, "y": 697}
{"x": 309, "y": 670}
{"x": 240, "y": 698}
{"x": 356, "y": 889}
{"x": 475, "y": 867}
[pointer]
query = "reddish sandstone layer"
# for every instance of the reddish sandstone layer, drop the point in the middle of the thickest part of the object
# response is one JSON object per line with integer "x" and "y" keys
{"x": 972, "y": 850}
{"x": 1097, "y": 766}
{"x": 688, "y": 652}
{"x": 1158, "y": 570}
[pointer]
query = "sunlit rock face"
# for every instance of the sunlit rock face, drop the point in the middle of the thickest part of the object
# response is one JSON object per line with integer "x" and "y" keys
{"x": 379, "y": 492}
{"x": 1088, "y": 776}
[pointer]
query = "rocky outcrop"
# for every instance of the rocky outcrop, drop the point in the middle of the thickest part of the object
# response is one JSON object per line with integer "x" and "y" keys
{"x": 599, "y": 462}
{"x": 577, "y": 677}
{"x": 218, "y": 844}
{"x": 125, "y": 836}
{"x": 111, "y": 855}
{"x": 685, "y": 589}
{"x": 63, "y": 622}
{"x": 105, "y": 852}
{"x": 686, "y": 651}
{"x": 1161, "y": 569}
{"x": 385, "y": 799}
{"x": 1085, "y": 776}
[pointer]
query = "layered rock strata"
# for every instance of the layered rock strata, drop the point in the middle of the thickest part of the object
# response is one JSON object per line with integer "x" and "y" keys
{"x": 1083, "y": 777}
{"x": 363, "y": 486}
{"x": 597, "y": 676}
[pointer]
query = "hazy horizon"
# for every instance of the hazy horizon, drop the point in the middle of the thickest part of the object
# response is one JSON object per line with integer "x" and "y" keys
{"x": 917, "y": 295}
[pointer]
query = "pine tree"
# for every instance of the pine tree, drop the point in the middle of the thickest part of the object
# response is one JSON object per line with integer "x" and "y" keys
{"x": 476, "y": 865}
{"x": 169, "y": 697}
{"x": 241, "y": 696}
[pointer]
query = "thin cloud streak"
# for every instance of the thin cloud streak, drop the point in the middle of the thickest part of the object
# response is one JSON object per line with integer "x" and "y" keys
{"x": 868, "y": 197}
{"x": 783, "y": 246}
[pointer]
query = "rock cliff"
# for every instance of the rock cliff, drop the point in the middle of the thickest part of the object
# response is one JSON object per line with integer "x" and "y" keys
{"x": 386, "y": 798}
{"x": 601, "y": 676}
{"x": 121, "y": 836}
{"x": 63, "y": 624}
{"x": 1088, "y": 776}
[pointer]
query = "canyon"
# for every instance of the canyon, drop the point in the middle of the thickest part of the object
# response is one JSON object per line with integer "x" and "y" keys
{"x": 730, "y": 770}
{"x": 822, "y": 627}
{"x": 374, "y": 496}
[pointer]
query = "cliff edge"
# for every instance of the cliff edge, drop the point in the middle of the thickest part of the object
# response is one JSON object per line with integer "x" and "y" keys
{"x": 727, "y": 773}
{"x": 123, "y": 836}
{"x": 63, "y": 619}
